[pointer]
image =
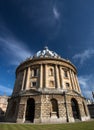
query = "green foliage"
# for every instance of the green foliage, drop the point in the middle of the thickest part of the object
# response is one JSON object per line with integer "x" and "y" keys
{"x": 67, "y": 126}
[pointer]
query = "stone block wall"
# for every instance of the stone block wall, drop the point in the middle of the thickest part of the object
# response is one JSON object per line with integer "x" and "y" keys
{"x": 44, "y": 111}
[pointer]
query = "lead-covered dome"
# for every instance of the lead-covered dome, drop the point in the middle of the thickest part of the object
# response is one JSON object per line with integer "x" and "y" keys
{"x": 46, "y": 53}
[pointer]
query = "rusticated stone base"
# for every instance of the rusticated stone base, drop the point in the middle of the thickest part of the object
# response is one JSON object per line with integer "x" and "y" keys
{"x": 48, "y": 108}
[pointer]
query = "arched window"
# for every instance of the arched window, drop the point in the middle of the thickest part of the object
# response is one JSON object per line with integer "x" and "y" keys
{"x": 54, "y": 106}
{"x": 75, "y": 109}
{"x": 50, "y": 72}
{"x": 84, "y": 108}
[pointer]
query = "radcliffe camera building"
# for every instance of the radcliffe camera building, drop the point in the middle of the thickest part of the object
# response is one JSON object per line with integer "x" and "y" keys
{"x": 46, "y": 90}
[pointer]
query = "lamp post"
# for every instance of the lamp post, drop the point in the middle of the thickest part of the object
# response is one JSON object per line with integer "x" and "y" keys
{"x": 67, "y": 118}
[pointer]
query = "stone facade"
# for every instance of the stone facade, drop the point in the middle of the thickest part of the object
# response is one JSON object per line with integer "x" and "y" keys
{"x": 3, "y": 106}
{"x": 46, "y": 91}
{"x": 91, "y": 109}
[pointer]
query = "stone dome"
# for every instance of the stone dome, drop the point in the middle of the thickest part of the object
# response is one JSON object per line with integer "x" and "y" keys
{"x": 46, "y": 53}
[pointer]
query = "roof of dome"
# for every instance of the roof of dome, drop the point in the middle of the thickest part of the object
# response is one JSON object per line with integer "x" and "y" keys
{"x": 46, "y": 53}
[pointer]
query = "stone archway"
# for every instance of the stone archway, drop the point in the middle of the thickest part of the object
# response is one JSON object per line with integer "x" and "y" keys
{"x": 75, "y": 109}
{"x": 30, "y": 110}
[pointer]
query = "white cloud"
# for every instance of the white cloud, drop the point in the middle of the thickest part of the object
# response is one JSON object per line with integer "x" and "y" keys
{"x": 14, "y": 50}
{"x": 87, "y": 85}
{"x": 56, "y": 13}
{"x": 5, "y": 90}
{"x": 82, "y": 57}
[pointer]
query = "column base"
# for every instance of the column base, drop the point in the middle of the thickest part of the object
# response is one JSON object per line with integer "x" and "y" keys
{"x": 85, "y": 118}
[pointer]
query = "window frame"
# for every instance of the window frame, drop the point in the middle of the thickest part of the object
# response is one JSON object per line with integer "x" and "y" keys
{"x": 34, "y": 72}
{"x": 51, "y": 72}
{"x": 67, "y": 84}
{"x": 33, "y": 84}
{"x": 65, "y": 74}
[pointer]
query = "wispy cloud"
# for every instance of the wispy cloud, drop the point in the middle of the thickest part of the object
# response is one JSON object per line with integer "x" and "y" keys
{"x": 13, "y": 49}
{"x": 87, "y": 85}
{"x": 5, "y": 90}
{"x": 56, "y": 13}
{"x": 82, "y": 57}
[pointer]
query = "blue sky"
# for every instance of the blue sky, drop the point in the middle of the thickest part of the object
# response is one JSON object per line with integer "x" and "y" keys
{"x": 65, "y": 26}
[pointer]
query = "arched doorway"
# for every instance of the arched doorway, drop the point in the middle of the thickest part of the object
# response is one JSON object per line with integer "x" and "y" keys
{"x": 75, "y": 109}
{"x": 30, "y": 110}
{"x": 54, "y": 107}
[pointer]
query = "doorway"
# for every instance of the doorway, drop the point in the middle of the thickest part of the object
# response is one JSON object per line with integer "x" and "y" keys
{"x": 75, "y": 109}
{"x": 30, "y": 110}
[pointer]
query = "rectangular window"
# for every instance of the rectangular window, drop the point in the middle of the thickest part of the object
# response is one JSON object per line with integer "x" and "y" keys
{"x": 50, "y": 72}
{"x": 67, "y": 85}
{"x": 65, "y": 74}
{"x": 34, "y": 72}
{"x": 34, "y": 84}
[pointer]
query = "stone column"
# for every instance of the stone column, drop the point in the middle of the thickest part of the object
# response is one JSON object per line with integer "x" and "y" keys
{"x": 28, "y": 79}
{"x": 45, "y": 75}
{"x": 61, "y": 78}
{"x": 41, "y": 76}
{"x": 57, "y": 77}
{"x": 71, "y": 78}
{"x": 23, "y": 81}
{"x": 78, "y": 86}
{"x": 75, "y": 81}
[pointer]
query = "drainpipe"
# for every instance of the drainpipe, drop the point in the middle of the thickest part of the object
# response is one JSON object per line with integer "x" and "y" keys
{"x": 67, "y": 118}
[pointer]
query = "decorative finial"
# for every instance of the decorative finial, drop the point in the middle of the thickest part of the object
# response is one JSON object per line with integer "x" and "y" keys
{"x": 46, "y": 48}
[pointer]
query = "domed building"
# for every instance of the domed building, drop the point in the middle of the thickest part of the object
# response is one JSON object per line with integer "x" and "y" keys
{"x": 46, "y": 90}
